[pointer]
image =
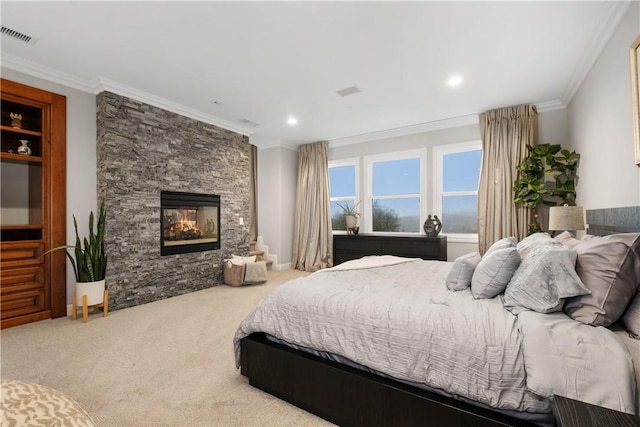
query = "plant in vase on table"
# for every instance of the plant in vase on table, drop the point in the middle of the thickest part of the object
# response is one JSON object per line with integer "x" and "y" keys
{"x": 351, "y": 214}
{"x": 90, "y": 263}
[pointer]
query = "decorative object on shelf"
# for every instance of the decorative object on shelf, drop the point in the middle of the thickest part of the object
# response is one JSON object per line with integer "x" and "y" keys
{"x": 16, "y": 120}
{"x": 25, "y": 147}
{"x": 432, "y": 226}
{"x": 530, "y": 188}
{"x": 350, "y": 215}
{"x": 90, "y": 264}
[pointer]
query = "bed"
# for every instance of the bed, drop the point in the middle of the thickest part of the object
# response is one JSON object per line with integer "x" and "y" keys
{"x": 442, "y": 363}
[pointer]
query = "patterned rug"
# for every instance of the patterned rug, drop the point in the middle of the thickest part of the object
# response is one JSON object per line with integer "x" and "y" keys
{"x": 26, "y": 404}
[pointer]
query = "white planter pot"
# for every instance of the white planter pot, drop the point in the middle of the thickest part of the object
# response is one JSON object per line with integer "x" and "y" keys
{"x": 93, "y": 290}
{"x": 351, "y": 221}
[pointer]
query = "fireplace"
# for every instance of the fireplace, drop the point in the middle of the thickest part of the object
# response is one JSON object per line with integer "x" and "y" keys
{"x": 189, "y": 222}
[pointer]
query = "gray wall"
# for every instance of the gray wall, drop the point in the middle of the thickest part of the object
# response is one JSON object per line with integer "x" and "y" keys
{"x": 142, "y": 150}
{"x": 600, "y": 119}
{"x": 277, "y": 180}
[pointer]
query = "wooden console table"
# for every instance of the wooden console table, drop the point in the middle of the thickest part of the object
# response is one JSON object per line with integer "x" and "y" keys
{"x": 352, "y": 246}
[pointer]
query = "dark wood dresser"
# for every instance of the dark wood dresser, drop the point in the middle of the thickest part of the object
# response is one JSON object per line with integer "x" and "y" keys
{"x": 572, "y": 413}
{"x": 352, "y": 246}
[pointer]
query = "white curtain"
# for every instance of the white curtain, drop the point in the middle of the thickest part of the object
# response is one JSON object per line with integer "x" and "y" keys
{"x": 505, "y": 135}
{"x": 312, "y": 237}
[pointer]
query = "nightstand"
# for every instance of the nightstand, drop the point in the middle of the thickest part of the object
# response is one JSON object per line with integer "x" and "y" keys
{"x": 573, "y": 413}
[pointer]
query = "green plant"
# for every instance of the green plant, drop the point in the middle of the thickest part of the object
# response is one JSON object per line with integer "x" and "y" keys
{"x": 90, "y": 264}
{"x": 533, "y": 190}
{"x": 348, "y": 209}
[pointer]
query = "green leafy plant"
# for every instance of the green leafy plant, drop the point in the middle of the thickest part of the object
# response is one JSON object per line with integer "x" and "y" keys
{"x": 90, "y": 264}
{"x": 348, "y": 209}
{"x": 533, "y": 190}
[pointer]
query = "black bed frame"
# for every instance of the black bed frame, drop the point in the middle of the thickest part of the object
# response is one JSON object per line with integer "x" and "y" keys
{"x": 347, "y": 396}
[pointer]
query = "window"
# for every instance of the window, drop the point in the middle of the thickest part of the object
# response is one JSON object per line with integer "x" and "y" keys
{"x": 343, "y": 179}
{"x": 395, "y": 192}
{"x": 457, "y": 180}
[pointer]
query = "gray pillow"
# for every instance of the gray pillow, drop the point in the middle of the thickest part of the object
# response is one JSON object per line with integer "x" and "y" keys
{"x": 459, "y": 277}
{"x": 567, "y": 239}
{"x": 525, "y": 245}
{"x": 544, "y": 279}
{"x": 631, "y": 317}
{"x": 494, "y": 272}
{"x": 507, "y": 242}
{"x": 610, "y": 268}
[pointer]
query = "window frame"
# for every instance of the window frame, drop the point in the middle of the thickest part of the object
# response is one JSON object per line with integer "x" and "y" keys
{"x": 439, "y": 151}
{"x": 352, "y": 161}
{"x": 366, "y": 225}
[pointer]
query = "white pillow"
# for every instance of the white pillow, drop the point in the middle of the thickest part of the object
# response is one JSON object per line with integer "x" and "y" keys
{"x": 494, "y": 272}
{"x": 507, "y": 242}
{"x": 459, "y": 277}
{"x": 241, "y": 260}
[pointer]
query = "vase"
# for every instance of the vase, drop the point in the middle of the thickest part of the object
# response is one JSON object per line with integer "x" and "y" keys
{"x": 93, "y": 290}
{"x": 24, "y": 147}
{"x": 432, "y": 226}
{"x": 351, "y": 221}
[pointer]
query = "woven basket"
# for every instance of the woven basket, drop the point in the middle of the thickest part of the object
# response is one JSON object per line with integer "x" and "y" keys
{"x": 233, "y": 273}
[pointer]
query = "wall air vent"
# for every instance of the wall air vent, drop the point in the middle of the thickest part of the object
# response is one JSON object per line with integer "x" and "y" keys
{"x": 348, "y": 91}
{"x": 18, "y": 35}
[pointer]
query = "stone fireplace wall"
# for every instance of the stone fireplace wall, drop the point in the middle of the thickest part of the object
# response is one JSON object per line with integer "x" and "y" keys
{"x": 142, "y": 150}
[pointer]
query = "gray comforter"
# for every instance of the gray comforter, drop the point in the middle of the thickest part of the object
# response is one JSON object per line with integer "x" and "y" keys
{"x": 396, "y": 316}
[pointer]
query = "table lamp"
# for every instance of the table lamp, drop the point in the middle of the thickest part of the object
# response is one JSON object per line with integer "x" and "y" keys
{"x": 566, "y": 218}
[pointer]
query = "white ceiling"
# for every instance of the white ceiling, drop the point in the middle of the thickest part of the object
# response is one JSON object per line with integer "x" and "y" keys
{"x": 264, "y": 61}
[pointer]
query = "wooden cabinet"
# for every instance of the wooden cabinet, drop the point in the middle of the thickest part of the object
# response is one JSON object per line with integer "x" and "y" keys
{"x": 352, "y": 246}
{"x": 573, "y": 413}
{"x": 32, "y": 203}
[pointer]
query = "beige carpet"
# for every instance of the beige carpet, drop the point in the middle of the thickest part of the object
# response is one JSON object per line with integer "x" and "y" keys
{"x": 167, "y": 363}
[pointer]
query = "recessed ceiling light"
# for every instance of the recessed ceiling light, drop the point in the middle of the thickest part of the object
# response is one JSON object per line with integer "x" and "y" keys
{"x": 292, "y": 121}
{"x": 455, "y": 80}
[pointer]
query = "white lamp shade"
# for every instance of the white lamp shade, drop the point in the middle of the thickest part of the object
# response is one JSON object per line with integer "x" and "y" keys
{"x": 566, "y": 217}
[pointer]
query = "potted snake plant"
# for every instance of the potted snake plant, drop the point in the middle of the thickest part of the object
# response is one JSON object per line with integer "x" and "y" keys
{"x": 89, "y": 260}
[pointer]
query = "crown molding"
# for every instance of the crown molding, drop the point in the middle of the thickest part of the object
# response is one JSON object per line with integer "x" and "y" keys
{"x": 550, "y": 106}
{"x": 101, "y": 84}
{"x": 15, "y": 63}
{"x": 470, "y": 119}
{"x": 453, "y": 122}
{"x": 600, "y": 38}
{"x": 278, "y": 144}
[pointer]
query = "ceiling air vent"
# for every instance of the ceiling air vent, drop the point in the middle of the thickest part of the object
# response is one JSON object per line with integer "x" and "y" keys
{"x": 18, "y": 35}
{"x": 348, "y": 91}
{"x": 250, "y": 123}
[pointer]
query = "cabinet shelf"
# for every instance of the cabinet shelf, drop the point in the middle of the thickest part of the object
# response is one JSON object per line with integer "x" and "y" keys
{"x": 21, "y": 227}
{"x": 20, "y": 131}
{"x": 21, "y": 232}
{"x": 20, "y": 158}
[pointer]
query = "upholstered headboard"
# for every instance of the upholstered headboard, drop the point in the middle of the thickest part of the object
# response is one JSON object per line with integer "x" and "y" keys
{"x": 613, "y": 220}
